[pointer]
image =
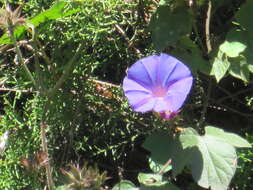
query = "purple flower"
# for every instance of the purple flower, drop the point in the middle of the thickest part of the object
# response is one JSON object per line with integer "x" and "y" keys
{"x": 158, "y": 83}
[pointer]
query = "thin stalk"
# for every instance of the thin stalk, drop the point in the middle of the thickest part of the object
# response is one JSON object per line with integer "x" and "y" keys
{"x": 207, "y": 27}
{"x": 164, "y": 167}
{"x": 43, "y": 126}
{"x": 38, "y": 87}
{"x": 204, "y": 110}
{"x": 68, "y": 70}
{"x": 50, "y": 182}
{"x": 20, "y": 56}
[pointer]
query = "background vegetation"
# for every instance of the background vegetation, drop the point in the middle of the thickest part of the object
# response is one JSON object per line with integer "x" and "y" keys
{"x": 88, "y": 118}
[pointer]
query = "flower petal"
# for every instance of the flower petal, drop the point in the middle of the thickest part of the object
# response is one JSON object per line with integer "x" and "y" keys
{"x": 178, "y": 92}
{"x": 138, "y": 98}
{"x": 161, "y": 105}
{"x": 179, "y": 71}
{"x": 129, "y": 84}
{"x": 160, "y": 83}
{"x": 144, "y": 71}
{"x": 145, "y": 105}
{"x": 166, "y": 66}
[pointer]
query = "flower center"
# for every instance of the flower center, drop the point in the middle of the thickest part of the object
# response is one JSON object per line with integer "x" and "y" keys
{"x": 159, "y": 91}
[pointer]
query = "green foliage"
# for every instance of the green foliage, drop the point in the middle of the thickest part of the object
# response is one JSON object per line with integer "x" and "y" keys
{"x": 82, "y": 178}
{"x": 242, "y": 179}
{"x": 22, "y": 143}
{"x": 157, "y": 144}
{"x": 125, "y": 185}
{"x": 89, "y": 118}
{"x": 210, "y": 166}
{"x": 164, "y": 28}
{"x": 58, "y": 10}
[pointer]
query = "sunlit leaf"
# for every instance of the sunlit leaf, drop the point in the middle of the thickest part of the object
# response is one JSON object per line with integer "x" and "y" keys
{"x": 245, "y": 38}
{"x": 63, "y": 187}
{"x": 239, "y": 69}
{"x": 189, "y": 138}
{"x": 56, "y": 11}
{"x": 151, "y": 179}
{"x": 220, "y": 68}
{"x": 156, "y": 166}
{"x": 230, "y": 138}
{"x": 125, "y": 185}
{"x": 232, "y": 49}
{"x": 167, "y": 186}
{"x": 213, "y": 164}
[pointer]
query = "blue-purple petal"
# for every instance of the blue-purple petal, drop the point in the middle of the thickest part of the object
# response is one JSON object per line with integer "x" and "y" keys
{"x": 130, "y": 85}
{"x": 178, "y": 92}
{"x": 134, "y": 97}
{"x": 161, "y": 105}
{"x": 145, "y": 105}
{"x": 165, "y": 68}
{"x": 180, "y": 71}
{"x": 157, "y": 83}
{"x": 142, "y": 72}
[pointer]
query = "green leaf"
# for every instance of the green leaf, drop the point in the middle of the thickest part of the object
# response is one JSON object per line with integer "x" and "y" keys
{"x": 244, "y": 16}
{"x": 56, "y": 11}
{"x": 167, "y": 186}
{"x": 232, "y": 49}
{"x": 245, "y": 38}
{"x": 213, "y": 161}
{"x": 164, "y": 26}
{"x": 160, "y": 145}
{"x": 63, "y": 187}
{"x": 191, "y": 55}
{"x": 240, "y": 69}
{"x": 230, "y": 138}
{"x": 250, "y": 67}
{"x": 219, "y": 68}
{"x": 151, "y": 179}
{"x": 165, "y": 2}
{"x": 188, "y": 138}
{"x": 179, "y": 158}
{"x": 156, "y": 166}
{"x": 125, "y": 185}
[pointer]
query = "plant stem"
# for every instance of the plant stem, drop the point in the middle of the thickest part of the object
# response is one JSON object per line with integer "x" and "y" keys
{"x": 203, "y": 112}
{"x": 207, "y": 27}
{"x": 50, "y": 182}
{"x": 39, "y": 88}
{"x": 68, "y": 70}
{"x": 19, "y": 54}
{"x": 164, "y": 167}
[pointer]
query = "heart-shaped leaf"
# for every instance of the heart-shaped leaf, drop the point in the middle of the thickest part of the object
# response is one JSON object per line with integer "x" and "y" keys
{"x": 213, "y": 163}
{"x": 125, "y": 185}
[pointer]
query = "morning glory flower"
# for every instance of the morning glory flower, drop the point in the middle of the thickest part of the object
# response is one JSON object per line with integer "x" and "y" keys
{"x": 158, "y": 83}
